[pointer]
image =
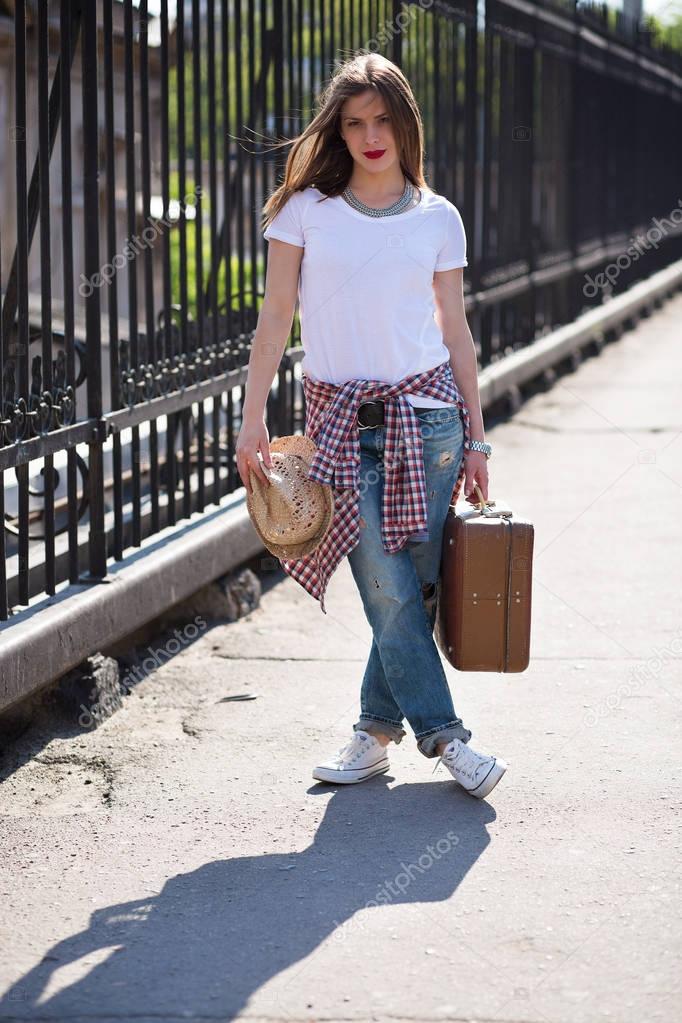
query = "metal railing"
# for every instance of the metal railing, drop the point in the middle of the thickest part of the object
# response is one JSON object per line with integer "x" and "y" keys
{"x": 122, "y": 356}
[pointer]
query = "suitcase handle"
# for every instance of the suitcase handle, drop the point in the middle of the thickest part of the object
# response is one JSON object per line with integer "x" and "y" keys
{"x": 486, "y": 507}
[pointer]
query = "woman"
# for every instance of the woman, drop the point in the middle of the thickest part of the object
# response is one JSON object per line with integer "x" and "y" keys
{"x": 373, "y": 255}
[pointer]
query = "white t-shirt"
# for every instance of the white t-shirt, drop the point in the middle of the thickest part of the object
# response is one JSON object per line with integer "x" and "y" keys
{"x": 366, "y": 301}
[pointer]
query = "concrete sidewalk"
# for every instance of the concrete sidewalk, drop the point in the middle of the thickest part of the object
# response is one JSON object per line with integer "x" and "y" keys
{"x": 180, "y": 862}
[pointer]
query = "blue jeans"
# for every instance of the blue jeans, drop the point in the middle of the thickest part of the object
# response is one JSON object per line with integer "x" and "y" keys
{"x": 404, "y": 677}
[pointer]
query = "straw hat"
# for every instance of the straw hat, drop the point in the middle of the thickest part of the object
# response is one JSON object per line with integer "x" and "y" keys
{"x": 291, "y": 514}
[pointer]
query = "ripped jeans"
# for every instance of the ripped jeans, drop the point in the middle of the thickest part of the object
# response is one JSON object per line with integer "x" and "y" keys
{"x": 404, "y": 677}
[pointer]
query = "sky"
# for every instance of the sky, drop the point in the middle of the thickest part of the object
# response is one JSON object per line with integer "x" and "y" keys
{"x": 663, "y": 9}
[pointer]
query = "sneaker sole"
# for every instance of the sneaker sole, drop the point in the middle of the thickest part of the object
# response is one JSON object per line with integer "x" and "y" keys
{"x": 349, "y": 777}
{"x": 491, "y": 779}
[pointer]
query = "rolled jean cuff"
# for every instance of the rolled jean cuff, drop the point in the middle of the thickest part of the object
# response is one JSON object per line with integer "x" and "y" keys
{"x": 375, "y": 725}
{"x": 427, "y": 741}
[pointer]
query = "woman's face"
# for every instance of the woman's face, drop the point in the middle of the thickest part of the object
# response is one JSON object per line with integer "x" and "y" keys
{"x": 366, "y": 128}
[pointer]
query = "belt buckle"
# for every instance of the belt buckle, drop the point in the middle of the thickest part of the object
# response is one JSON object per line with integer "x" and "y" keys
{"x": 371, "y": 401}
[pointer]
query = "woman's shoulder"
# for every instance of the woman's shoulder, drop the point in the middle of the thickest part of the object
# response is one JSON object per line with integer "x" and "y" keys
{"x": 306, "y": 197}
{"x": 309, "y": 192}
{"x": 312, "y": 194}
{"x": 303, "y": 195}
{"x": 438, "y": 201}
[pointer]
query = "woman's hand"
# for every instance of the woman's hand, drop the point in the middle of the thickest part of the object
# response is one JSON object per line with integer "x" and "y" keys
{"x": 253, "y": 438}
{"x": 476, "y": 471}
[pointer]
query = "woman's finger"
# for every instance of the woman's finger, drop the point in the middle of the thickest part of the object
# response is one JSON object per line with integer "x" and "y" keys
{"x": 265, "y": 452}
{"x": 469, "y": 480}
{"x": 482, "y": 480}
{"x": 256, "y": 467}
{"x": 243, "y": 469}
{"x": 247, "y": 464}
{"x": 475, "y": 473}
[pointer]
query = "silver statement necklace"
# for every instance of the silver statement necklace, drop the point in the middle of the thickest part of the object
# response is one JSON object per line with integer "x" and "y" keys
{"x": 398, "y": 206}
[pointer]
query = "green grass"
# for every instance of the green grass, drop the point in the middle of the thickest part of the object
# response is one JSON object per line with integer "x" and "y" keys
{"x": 251, "y": 281}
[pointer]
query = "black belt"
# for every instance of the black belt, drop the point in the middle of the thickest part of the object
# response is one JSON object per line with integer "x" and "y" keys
{"x": 371, "y": 413}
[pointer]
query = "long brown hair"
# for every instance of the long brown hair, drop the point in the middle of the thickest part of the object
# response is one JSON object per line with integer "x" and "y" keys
{"x": 319, "y": 155}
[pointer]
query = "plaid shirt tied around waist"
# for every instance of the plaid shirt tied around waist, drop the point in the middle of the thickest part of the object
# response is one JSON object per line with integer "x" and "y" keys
{"x": 331, "y": 423}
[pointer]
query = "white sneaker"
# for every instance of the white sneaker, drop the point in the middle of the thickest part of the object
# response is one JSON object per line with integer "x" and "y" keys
{"x": 478, "y": 773}
{"x": 361, "y": 758}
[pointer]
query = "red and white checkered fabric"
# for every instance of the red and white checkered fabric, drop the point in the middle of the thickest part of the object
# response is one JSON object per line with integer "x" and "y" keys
{"x": 331, "y": 423}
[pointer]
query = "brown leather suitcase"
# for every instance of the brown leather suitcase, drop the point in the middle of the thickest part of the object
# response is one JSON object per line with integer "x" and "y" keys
{"x": 483, "y": 611}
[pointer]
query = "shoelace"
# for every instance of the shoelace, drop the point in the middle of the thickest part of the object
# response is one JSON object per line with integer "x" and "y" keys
{"x": 451, "y": 756}
{"x": 348, "y": 752}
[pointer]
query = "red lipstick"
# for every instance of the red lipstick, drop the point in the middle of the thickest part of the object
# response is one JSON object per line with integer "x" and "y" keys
{"x": 374, "y": 154}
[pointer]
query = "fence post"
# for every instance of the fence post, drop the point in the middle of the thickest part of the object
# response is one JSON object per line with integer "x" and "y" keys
{"x": 89, "y": 53}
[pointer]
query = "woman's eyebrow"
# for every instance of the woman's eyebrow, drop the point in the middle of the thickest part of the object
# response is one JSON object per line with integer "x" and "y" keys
{"x": 361, "y": 118}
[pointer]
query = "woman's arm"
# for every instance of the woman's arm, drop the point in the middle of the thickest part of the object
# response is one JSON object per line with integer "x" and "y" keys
{"x": 272, "y": 330}
{"x": 448, "y": 288}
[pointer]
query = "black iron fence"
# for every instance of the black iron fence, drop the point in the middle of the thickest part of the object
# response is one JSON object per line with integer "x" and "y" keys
{"x": 133, "y": 146}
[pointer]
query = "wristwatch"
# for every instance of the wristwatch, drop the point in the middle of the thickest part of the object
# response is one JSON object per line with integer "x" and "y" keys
{"x": 481, "y": 445}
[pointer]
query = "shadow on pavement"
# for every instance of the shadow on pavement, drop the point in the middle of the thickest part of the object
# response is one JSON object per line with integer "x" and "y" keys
{"x": 214, "y": 936}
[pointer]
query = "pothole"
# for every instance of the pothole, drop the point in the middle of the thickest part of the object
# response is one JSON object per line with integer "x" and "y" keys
{"x": 53, "y": 786}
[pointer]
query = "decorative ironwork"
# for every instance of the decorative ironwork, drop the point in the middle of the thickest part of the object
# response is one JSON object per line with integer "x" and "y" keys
{"x": 45, "y": 410}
